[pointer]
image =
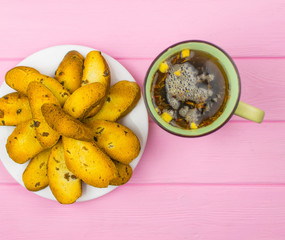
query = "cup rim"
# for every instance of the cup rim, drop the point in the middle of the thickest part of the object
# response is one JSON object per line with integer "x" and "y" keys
{"x": 210, "y": 131}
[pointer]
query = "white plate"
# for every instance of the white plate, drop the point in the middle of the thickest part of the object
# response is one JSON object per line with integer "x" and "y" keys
{"x": 46, "y": 61}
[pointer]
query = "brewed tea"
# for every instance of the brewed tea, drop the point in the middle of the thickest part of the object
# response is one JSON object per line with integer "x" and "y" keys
{"x": 190, "y": 89}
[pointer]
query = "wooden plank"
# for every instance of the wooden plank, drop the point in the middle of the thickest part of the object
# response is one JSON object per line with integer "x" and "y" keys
{"x": 142, "y": 28}
{"x": 258, "y": 73}
{"x": 149, "y": 212}
{"x": 239, "y": 152}
{"x": 263, "y": 82}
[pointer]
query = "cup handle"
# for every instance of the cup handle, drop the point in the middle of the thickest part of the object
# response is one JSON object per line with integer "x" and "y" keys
{"x": 249, "y": 112}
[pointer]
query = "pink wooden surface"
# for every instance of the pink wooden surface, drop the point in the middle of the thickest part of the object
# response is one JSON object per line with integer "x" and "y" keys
{"x": 229, "y": 185}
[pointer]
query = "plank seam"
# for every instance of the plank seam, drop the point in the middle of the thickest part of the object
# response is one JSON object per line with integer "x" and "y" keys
{"x": 152, "y": 58}
{"x": 255, "y": 184}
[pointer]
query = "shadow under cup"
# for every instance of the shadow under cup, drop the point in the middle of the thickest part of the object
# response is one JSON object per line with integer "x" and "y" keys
{"x": 233, "y": 80}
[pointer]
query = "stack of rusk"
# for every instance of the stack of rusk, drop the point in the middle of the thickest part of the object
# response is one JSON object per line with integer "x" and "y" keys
{"x": 67, "y": 126}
